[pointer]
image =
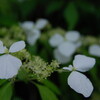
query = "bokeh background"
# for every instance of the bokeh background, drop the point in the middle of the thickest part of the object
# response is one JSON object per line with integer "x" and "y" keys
{"x": 80, "y": 15}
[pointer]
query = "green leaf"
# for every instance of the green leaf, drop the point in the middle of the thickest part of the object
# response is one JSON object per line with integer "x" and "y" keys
{"x": 46, "y": 93}
{"x": 2, "y": 81}
{"x": 23, "y": 74}
{"x": 17, "y": 98}
{"x": 71, "y": 15}
{"x": 6, "y": 92}
{"x": 27, "y": 7}
{"x": 52, "y": 86}
{"x": 53, "y": 6}
{"x": 86, "y": 6}
{"x": 7, "y": 20}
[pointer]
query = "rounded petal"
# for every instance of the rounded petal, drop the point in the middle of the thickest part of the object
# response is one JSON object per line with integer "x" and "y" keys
{"x": 17, "y": 46}
{"x": 72, "y": 36}
{"x": 27, "y": 25}
{"x": 56, "y": 40}
{"x": 2, "y": 48}
{"x": 41, "y": 23}
{"x": 61, "y": 58}
{"x": 83, "y": 63}
{"x": 9, "y": 66}
{"x": 94, "y": 50}
{"x": 69, "y": 68}
{"x": 33, "y": 36}
{"x": 80, "y": 83}
{"x": 67, "y": 49}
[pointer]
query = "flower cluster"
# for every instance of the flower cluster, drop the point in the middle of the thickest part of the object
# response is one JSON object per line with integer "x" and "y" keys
{"x": 78, "y": 81}
{"x": 32, "y": 29}
{"x": 65, "y": 46}
{"x": 9, "y": 64}
{"x": 18, "y": 63}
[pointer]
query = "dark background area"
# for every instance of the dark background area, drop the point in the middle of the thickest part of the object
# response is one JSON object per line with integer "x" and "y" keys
{"x": 81, "y": 15}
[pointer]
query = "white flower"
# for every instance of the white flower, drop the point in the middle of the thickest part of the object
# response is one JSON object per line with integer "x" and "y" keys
{"x": 27, "y": 25}
{"x": 67, "y": 49}
{"x": 63, "y": 53}
{"x": 94, "y": 50}
{"x": 56, "y": 40}
{"x": 32, "y": 29}
{"x": 78, "y": 81}
{"x": 9, "y": 65}
{"x": 41, "y": 23}
{"x": 72, "y": 36}
{"x": 33, "y": 36}
{"x": 65, "y": 46}
{"x": 61, "y": 58}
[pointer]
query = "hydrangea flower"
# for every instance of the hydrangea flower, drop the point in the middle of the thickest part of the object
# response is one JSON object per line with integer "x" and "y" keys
{"x": 78, "y": 81}
{"x": 65, "y": 46}
{"x": 94, "y": 50}
{"x": 56, "y": 40}
{"x": 9, "y": 65}
{"x": 32, "y": 29}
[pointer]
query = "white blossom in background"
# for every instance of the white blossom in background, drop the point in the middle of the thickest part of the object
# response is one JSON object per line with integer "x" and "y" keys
{"x": 56, "y": 40}
{"x": 27, "y": 25}
{"x": 32, "y": 36}
{"x": 66, "y": 46}
{"x": 33, "y": 30}
{"x": 9, "y": 65}
{"x": 78, "y": 81}
{"x": 61, "y": 58}
{"x": 41, "y": 23}
{"x": 94, "y": 50}
{"x": 74, "y": 36}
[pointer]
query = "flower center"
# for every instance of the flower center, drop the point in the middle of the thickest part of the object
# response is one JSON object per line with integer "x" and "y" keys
{"x": 6, "y": 51}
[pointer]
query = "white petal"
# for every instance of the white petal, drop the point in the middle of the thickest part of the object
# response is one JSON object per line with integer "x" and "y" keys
{"x": 56, "y": 40}
{"x": 72, "y": 36}
{"x": 61, "y": 58}
{"x": 67, "y": 49}
{"x": 83, "y": 63}
{"x": 17, "y": 46}
{"x": 41, "y": 23}
{"x": 27, "y": 25}
{"x": 80, "y": 83}
{"x": 2, "y": 50}
{"x": 69, "y": 68}
{"x": 94, "y": 50}
{"x": 9, "y": 66}
{"x": 33, "y": 36}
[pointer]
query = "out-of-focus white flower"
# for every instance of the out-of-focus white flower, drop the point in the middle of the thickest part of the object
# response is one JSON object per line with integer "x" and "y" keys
{"x": 67, "y": 49}
{"x": 61, "y": 58}
{"x": 78, "y": 81}
{"x": 32, "y": 29}
{"x": 33, "y": 36}
{"x": 65, "y": 46}
{"x": 41, "y": 23}
{"x": 27, "y": 25}
{"x": 56, "y": 40}
{"x": 72, "y": 36}
{"x": 64, "y": 52}
{"x": 94, "y": 50}
{"x": 9, "y": 65}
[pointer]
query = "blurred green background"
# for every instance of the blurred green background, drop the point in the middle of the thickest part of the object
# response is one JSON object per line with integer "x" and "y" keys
{"x": 81, "y": 15}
